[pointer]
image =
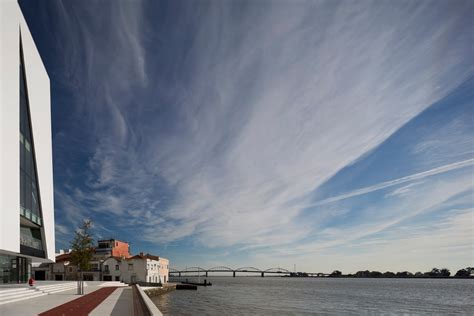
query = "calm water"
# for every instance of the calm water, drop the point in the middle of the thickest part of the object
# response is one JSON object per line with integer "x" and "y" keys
{"x": 322, "y": 296}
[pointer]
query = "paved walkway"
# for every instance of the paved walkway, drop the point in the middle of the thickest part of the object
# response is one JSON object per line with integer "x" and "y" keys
{"x": 82, "y": 305}
{"x": 40, "y": 304}
{"x": 119, "y": 303}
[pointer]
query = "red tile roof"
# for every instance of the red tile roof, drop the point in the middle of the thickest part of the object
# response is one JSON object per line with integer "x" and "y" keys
{"x": 147, "y": 256}
{"x": 63, "y": 257}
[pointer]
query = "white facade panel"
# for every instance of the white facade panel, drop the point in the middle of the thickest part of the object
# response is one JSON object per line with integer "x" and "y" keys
{"x": 40, "y": 110}
{"x": 11, "y": 22}
{"x": 9, "y": 126}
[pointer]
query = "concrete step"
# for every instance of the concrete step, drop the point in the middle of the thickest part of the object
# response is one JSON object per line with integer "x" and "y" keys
{"x": 39, "y": 285}
{"x": 31, "y": 294}
{"x": 10, "y": 291}
{"x": 46, "y": 288}
{"x": 10, "y": 295}
{"x": 72, "y": 286}
{"x": 14, "y": 294}
{"x": 56, "y": 288}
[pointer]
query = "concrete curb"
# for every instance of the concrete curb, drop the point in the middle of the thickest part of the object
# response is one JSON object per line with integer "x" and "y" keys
{"x": 149, "y": 304}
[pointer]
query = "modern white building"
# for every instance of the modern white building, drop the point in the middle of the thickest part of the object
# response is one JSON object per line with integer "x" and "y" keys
{"x": 26, "y": 170}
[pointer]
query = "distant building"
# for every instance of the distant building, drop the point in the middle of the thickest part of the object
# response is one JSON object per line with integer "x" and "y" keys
{"x": 111, "y": 261}
{"x": 63, "y": 269}
{"x": 112, "y": 247}
{"x": 164, "y": 271}
{"x": 59, "y": 270}
{"x": 113, "y": 269}
{"x": 144, "y": 268}
{"x": 26, "y": 167}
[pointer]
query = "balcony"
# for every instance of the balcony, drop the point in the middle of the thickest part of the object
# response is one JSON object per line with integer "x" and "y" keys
{"x": 26, "y": 213}
{"x": 31, "y": 242}
{"x": 103, "y": 250}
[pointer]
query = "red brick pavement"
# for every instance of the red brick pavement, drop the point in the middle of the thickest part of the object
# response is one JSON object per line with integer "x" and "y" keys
{"x": 82, "y": 305}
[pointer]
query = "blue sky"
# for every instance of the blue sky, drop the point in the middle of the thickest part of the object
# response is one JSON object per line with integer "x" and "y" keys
{"x": 326, "y": 134}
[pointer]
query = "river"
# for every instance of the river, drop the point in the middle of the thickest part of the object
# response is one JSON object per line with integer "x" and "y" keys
{"x": 321, "y": 296}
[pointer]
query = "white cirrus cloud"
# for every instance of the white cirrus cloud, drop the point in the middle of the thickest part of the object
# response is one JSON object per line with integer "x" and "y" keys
{"x": 276, "y": 101}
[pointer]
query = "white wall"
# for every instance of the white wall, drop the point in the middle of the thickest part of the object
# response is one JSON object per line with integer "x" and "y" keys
{"x": 9, "y": 127}
{"x": 111, "y": 262}
{"x": 153, "y": 271}
{"x": 164, "y": 270}
{"x": 40, "y": 108}
{"x": 139, "y": 270}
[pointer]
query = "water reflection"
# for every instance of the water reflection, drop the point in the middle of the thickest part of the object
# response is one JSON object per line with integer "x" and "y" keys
{"x": 274, "y": 295}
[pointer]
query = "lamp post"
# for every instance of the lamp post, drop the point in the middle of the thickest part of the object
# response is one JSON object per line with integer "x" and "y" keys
{"x": 79, "y": 281}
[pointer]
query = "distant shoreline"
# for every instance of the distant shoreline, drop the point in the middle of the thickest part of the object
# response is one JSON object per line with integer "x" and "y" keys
{"x": 318, "y": 277}
{"x": 380, "y": 277}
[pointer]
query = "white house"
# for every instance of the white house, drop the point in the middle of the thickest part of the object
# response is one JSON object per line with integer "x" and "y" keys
{"x": 112, "y": 269}
{"x": 139, "y": 268}
{"x": 26, "y": 168}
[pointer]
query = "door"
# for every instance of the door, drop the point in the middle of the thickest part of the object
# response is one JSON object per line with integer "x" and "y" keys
{"x": 88, "y": 277}
{"x": 107, "y": 278}
{"x": 58, "y": 277}
{"x": 40, "y": 275}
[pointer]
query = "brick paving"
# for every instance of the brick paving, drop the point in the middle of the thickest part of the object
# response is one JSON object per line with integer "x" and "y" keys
{"x": 81, "y": 306}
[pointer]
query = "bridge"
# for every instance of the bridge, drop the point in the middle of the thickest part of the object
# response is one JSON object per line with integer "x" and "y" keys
{"x": 224, "y": 269}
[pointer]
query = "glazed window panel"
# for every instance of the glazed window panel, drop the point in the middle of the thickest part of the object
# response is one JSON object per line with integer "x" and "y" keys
{"x": 22, "y": 189}
{"x": 29, "y": 191}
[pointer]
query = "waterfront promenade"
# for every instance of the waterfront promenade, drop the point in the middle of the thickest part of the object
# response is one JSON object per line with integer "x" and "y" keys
{"x": 100, "y": 298}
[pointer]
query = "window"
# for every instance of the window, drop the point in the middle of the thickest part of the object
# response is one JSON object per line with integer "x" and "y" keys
{"x": 106, "y": 268}
{"x": 130, "y": 267}
{"x": 117, "y": 267}
{"x": 104, "y": 245}
{"x": 31, "y": 237}
{"x": 30, "y": 204}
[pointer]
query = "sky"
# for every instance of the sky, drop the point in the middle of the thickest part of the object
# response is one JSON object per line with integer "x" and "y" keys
{"x": 322, "y": 134}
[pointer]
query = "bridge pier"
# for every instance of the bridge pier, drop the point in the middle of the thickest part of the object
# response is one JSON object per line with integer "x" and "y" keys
{"x": 233, "y": 274}
{"x": 206, "y": 274}
{"x": 179, "y": 274}
{"x": 263, "y": 274}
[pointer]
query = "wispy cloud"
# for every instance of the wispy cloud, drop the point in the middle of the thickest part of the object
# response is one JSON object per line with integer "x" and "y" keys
{"x": 209, "y": 123}
{"x": 386, "y": 184}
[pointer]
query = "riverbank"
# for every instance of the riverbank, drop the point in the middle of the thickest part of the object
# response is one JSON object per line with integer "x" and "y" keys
{"x": 154, "y": 291}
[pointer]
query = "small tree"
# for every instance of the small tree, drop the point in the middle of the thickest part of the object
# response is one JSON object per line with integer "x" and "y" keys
{"x": 82, "y": 250}
{"x": 434, "y": 272}
{"x": 463, "y": 273}
{"x": 388, "y": 274}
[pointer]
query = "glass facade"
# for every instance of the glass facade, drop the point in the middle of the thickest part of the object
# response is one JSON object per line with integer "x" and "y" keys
{"x": 29, "y": 197}
{"x": 31, "y": 241}
{"x": 14, "y": 269}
